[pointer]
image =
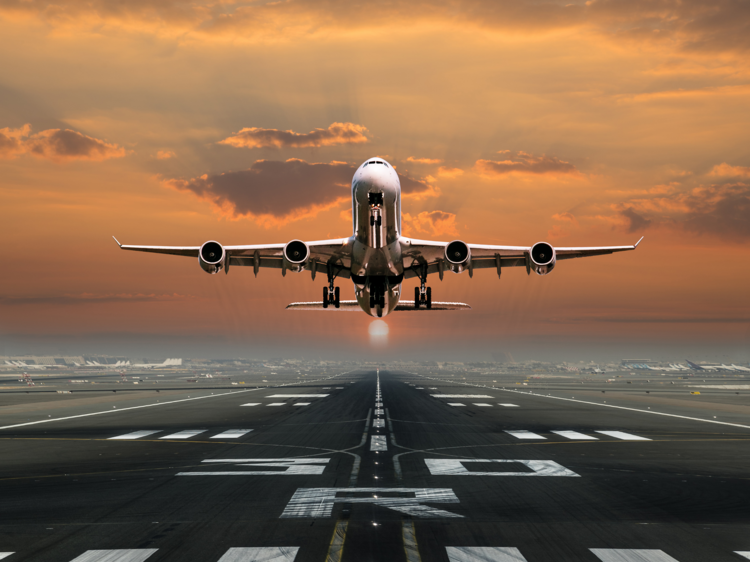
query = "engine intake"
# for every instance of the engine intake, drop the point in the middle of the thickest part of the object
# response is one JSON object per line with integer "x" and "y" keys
{"x": 211, "y": 257}
{"x": 542, "y": 257}
{"x": 296, "y": 254}
{"x": 458, "y": 256}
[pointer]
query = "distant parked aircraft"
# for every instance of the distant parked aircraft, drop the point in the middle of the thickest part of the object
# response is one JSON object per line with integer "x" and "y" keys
{"x": 721, "y": 367}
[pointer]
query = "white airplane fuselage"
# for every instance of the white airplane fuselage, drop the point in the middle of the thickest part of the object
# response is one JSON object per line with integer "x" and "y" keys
{"x": 377, "y": 268}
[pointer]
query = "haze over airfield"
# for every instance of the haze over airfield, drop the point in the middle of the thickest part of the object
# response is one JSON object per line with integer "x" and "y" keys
{"x": 176, "y": 123}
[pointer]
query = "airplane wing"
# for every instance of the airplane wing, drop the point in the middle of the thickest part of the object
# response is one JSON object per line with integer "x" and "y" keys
{"x": 324, "y": 254}
{"x": 426, "y": 256}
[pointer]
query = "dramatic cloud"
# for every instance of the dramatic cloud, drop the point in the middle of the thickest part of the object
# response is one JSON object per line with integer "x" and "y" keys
{"x": 725, "y": 170}
{"x": 524, "y": 163}
{"x": 58, "y": 145}
{"x": 275, "y": 192}
{"x": 434, "y": 223}
{"x": 637, "y": 223}
{"x": 424, "y": 160}
{"x": 336, "y": 133}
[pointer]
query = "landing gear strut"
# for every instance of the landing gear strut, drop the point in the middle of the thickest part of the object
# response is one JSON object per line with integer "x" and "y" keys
{"x": 377, "y": 294}
{"x": 331, "y": 294}
{"x": 423, "y": 295}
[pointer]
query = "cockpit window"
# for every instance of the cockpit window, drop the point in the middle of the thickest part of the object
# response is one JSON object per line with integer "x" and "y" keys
{"x": 366, "y": 163}
{"x": 372, "y": 162}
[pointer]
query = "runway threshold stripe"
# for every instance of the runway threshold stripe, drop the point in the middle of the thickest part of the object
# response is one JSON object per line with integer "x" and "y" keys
{"x": 575, "y": 435}
{"x": 261, "y": 554}
{"x": 130, "y": 555}
{"x": 631, "y": 555}
{"x": 378, "y": 443}
{"x": 523, "y": 434}
{"x": 135, "y": 435}
{"x": 184, "y": 434}
{"x": 484, "y": 554}
{"x": 336, "y": 548}
{"x": 409, "y": 535}
{"x": 624, "y": 436}
{"x": 232, "y": 434}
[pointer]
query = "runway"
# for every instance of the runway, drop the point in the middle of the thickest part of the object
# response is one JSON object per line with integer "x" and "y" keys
{"x": 356, "y": 466}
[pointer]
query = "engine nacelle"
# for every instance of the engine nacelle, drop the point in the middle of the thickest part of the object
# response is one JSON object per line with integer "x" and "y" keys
{"x": 457, "y": 256}
{"x": 542, "y": 258}
{"x": 211, "y": 257}
{"x": 296, "y": 254}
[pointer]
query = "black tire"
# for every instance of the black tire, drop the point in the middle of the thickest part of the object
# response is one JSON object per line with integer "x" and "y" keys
{"x": 325, "y": 297}
{"x": 336, "y": 299}
{"x": 416, "y": 297}
{"x": 429, "y": 297}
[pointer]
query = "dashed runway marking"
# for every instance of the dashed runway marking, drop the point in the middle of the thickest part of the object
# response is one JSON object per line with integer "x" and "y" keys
{"x": 631, "y": 555}
{"x": 483, "y": 404}
{"x": 378, "y": 411}
{"x": 484, "y": 554}
{"x": 510, "y": 405}
{"x": 455, "y": 404}
{"x": 455, "y": 467}
{"x": 467, "y": 396}
{"x": 136, "y": 435}
{"x": 575, "y": 435}
{"x": 523, "y": 434}
{"x": 378, "y": 443}
{"x": 262, "y": 554}
{"x": 276, "y": 404}
{"x": 232, "y": 434}
{"x": 184, "y": 434}
{"x": 251, "y": 404}
{"x": 302, "y": 404}
{"x": 624, "y": 436}
{"x": 378, "y": 423}
{"x": 131, "y": 555}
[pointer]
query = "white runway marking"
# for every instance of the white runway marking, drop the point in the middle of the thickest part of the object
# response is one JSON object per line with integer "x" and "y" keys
{"x": 575, "y": 435}
{"x": 455, "y": 404}
{"x": 378, "y": 423}
{"x": 460, "y": 396}
{"x": 379, "y": 412}
{"x": 262, "y": 554}
{"x": 297, "y": 396}
{"x": 455, "y": 467}
{"x": 339, "y": 388}
{"x": 484, "y": 554}
{"x": 302, "y": 404}
{"x": 136, "y": 435}
{"x": 318, "y": 502}
{"x": 184, "y": 434}
{"x": 251, "y": 404}
{"x": 510, "y": 405}
{"x": 378, "y": 443}
{"x": 743, "y": 553}
{"x": 275, "y": 404}
{"x": 293, "y": 466}
{"x": 523, "y": 434}
{"x": 483, "y": 404}
{"x": 132, "y": 555}
{"x": 624, "y": 436}
{"x": 232, "y": 434}
{"x": 631, "y": 555}
{"x": 5, "y": 554}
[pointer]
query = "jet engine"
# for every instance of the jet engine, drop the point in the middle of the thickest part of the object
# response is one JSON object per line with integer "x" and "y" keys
{"x": 542, "y": 258}
{"x": 211, "y": 257}
{"x": 296, "y": 254}
{"x": 458, "y": 256}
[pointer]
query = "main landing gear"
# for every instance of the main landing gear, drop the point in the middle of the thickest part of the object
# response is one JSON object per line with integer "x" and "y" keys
{"x": 423, "y": 296}
{"x": 331, "y": 294}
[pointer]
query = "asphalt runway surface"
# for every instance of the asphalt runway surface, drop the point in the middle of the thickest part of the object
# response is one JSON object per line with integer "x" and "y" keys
{"x": 417, "y": 468}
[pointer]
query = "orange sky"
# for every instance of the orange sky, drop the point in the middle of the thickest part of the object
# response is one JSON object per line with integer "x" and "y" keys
{"x": 174, "y": 123}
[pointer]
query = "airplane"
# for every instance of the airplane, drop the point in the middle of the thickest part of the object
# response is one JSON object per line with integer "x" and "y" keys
{"x": 377, "y": 258}
{"x": 721, "y": 367}
{"x": 23, "y": 365}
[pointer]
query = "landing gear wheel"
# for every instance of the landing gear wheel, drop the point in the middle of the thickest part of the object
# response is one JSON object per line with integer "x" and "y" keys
{"x": 336, "y": 299}
{"x": 325, "y": 297}
{"x": 428, "y": 302}
{"x": 417, "y": 297}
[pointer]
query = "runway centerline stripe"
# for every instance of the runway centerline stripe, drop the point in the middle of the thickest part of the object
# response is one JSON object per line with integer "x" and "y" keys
{"x": 523, "y": 434}
{"x": 251, "y": 404}
{"x": 631, "y": 555}
{"x": 136, "y": 434}
{"x": 276, "y": 404}
{"x": 184, "y": 434}
{"x": 302, "y": 404}
{"x": 455, "y": 404}
{"x": 232, "y": 434}
{"x": 575, "y": 435}
{"x": 261, "y": 554}
{"x": 483, "y": 404}
{"x": 378, "y": 423}
{"x": 624, "y": 436}
{"x": 484, "y": 554}
{"x": 510, "y": 405}
{"x": 378, "y": 443}
{"x": 131, "y": 555}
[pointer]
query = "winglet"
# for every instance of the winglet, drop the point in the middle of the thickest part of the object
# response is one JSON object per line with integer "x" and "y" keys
{"x": 634, "y": 247}
{"x": 118, "y": 242}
